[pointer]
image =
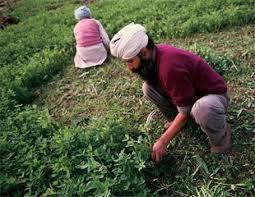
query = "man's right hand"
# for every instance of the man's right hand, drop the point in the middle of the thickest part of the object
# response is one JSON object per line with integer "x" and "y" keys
{"x": 158, "y": 150}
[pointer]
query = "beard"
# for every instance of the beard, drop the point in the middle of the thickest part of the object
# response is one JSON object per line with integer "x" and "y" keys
{"x": 147, "y": 71}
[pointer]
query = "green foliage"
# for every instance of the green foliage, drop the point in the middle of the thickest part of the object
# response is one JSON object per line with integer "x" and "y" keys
{"x": 165, "y": 19}
{"x": 220, "y": 63}
{"x": 102, "y": 159}
{"x": 208, "y": 190}
{"x": 103, "y": 156}
{"x": 43, "y": 31}
{"x": 42, "y": 66}
{"x": 41, "y": 50}
{"x": 17, "y": 84}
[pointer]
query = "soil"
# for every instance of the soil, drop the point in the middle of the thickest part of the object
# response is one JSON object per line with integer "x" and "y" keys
{"x": 5, "y": 20}
{"x": 5, "y": 5}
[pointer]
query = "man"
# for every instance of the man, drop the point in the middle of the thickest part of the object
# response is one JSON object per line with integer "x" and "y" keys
{"x": 176, "y": 79}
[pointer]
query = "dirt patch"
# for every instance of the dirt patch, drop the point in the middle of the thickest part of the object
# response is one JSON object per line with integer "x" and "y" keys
{"x": 7, "y": 4}
{"x": 5, "y": 20}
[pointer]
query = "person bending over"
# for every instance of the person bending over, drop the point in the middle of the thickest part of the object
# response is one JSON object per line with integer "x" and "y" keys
{"x": 176, "y": 80}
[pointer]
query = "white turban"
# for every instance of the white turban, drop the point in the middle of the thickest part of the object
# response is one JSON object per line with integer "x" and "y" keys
{"x": 129, "y": 41}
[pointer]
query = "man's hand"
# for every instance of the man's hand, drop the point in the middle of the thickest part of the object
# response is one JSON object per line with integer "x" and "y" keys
{"x": 158, "y": 150}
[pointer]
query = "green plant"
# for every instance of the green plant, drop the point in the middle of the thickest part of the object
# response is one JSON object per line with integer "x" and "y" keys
{"x": 65, "y": 132}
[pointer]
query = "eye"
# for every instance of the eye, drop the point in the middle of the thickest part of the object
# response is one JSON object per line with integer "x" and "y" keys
{"x": 129, "y": 61}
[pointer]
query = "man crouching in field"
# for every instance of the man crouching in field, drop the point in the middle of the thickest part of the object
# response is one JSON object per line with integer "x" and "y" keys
{"x": 176, "y": 79}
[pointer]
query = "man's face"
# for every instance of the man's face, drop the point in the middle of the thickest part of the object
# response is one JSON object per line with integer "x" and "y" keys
{"x": 133, "y": 63}
{"x": 143, "y": 66}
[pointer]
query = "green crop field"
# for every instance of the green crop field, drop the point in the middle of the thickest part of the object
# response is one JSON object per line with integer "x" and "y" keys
{"x": 74, "y": 132}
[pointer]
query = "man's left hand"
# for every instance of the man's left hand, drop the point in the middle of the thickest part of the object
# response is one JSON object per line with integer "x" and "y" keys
{"x": 158, "y": 150}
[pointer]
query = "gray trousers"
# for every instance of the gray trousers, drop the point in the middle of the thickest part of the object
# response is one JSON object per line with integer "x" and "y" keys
{"x": 209, "y": 111}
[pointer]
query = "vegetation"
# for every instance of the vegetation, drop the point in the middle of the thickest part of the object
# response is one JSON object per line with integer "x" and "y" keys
{"x": 69, "y": 132}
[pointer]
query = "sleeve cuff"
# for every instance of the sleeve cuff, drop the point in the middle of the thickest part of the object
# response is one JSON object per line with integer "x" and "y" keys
{"x": 184, "y": 110}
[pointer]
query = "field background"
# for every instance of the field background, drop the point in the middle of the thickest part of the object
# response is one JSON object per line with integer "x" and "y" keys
{"x": 68, "y": 132}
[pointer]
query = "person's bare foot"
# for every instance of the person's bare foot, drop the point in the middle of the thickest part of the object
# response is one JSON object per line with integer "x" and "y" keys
{"x": 225, "y": 144}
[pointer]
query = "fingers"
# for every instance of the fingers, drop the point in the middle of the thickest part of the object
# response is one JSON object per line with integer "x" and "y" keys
{"x": 153, "y": 154}
{"x": 157, "y": 156}
{"x": 158, "y": 151}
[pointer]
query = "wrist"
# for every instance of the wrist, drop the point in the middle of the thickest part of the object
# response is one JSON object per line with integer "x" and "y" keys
{"x": 163, "y": 140}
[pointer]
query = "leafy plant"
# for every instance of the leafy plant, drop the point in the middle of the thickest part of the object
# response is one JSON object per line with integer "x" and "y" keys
{"x": 45, "y": 159}
{"x": 77, "y": 134}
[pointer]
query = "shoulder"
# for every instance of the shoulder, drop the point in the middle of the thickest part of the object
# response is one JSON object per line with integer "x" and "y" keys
{"x": 170, "y": 60}
{"x": 77, "y": 26}
{"x": 95, "y": 20}
{"x": 92, "y": 20}
{"x": 80, "y": 23}
{"x": 172, "y": 55}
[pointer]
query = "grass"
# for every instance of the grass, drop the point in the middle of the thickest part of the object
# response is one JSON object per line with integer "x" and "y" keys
{"x": 66, "y": 131}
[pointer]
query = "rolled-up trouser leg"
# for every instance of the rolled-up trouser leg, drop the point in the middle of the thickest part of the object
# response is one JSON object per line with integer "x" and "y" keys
{"x": 210, "y": 113}
{"x": 160, "y": 99}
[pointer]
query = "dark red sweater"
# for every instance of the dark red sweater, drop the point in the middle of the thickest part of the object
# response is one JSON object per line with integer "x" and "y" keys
{"x": 186, "y": 77}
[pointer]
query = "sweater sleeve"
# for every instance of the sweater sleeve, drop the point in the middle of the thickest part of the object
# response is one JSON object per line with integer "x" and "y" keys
{"x": 104, "y": 35}
{"x": 179, "y": 86}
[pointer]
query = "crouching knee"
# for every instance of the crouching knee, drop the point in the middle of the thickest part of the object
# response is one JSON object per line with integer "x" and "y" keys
{"x": 201, "y": 112}
{"x": 209, "y": 114}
